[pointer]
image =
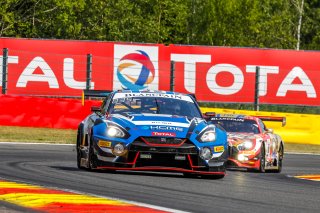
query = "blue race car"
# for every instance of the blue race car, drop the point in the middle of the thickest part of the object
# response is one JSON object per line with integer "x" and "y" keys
{"x": 150, "y": 131}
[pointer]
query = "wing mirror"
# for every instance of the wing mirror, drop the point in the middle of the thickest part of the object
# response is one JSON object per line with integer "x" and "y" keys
{"x": 208, "y": 115}
{"x": 269, "y": 130}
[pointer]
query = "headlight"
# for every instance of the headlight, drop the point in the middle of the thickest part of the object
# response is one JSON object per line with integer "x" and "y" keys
{"x": 116, "y": 132}
{"x": 246, "y": 145}
{"x": 208, "y": 136}
{"x": 242, "y": 157}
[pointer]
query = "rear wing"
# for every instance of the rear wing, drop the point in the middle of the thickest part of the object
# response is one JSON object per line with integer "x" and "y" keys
{"x": 95, "y": 93}
{"x": 271, "y": 118}
{"x": 209, "y": 115}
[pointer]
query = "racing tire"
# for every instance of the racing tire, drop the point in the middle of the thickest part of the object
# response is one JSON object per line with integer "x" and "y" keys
{"x": 281, "y": 152}
{"x": 79, "y": 158}
{"x": 279, "y": 167}
{"x": 262, "y": 167}
{"x": 92, "y": 158}
{"x": 279, "y": 160}
{"x": 79, "y": 154}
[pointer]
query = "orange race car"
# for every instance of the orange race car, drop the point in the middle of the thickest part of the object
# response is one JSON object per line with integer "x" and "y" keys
{"x": 251, "y": 144}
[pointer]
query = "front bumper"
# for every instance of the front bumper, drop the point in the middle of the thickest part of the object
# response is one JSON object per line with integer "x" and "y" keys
{"x": 243, "y": 159}
{"x": 142, "y": 156}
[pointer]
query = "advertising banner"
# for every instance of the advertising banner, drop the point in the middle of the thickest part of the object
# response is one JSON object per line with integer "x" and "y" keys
{"x": 213, "y": 74}
{"x": 228, "y": 74}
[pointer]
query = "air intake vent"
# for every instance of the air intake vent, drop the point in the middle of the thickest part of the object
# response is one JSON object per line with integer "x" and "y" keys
{"x": 163, "y": 140}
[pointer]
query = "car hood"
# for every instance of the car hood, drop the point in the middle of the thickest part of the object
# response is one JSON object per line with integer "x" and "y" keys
{"x": 158, "y": 125}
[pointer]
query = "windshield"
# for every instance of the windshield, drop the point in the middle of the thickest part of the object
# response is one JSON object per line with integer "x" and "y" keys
{"x": 237, "y": 125}
{"x": 155, "y": 105}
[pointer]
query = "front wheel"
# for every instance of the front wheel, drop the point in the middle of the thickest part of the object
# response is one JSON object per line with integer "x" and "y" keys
{"x": 279, "y": 160}
{"x": 79, "y": 154}
{"x": 262, "y": 167}
{"x": 92, "y": 158}
{"x": 79, "y": 158}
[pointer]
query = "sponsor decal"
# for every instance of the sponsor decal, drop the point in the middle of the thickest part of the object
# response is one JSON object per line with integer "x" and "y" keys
{"x": 162, "y": 123}
{"x": 104, "y": 143}
{"x": 145, "y": 156}
{"x": 227, "y": 119}
{"x": 135, "y": 67}
{"x": 218, "y": 148}
{"x": 180, "y": 157}
{"x": 170, "y": 128}
{"x": 128, "y": 96}
{"x": 163, "y": 95}
{"x": 167, "y": 134}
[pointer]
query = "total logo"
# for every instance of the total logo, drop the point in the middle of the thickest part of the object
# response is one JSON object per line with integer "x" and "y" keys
{"x": 167, "y": 134}
{"x": 135, "y": 67}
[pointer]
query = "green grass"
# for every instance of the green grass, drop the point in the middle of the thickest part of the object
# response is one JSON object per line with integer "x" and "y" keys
{"x": 68, "y": 136}
{"x": 302, "y": 148}
{"x": 40, "y": 135}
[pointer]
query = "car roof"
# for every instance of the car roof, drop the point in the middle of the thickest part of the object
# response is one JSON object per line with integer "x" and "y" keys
{"x": 159, "y": 93}
{"x": 150, "y": 91}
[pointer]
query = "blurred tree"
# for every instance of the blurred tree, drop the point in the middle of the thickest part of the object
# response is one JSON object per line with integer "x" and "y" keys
{"x": 310, "y": 31}
{"x": 285, "y": 24}
{"x": 250, "y": 23}
{"x": 6, "y": 18}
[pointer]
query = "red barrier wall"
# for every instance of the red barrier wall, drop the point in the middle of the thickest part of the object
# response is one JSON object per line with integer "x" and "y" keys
{"x": 43, "y": 112}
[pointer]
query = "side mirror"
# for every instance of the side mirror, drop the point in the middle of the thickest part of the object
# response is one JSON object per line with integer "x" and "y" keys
{"x": 95, "y": 109}
{"x": 269, "y": 130}
{"x": 210, "y": 114}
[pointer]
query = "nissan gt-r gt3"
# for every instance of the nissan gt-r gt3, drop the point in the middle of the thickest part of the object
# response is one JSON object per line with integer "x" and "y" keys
{"x": 151, "y": 131}
{"x": 251, "y": 144}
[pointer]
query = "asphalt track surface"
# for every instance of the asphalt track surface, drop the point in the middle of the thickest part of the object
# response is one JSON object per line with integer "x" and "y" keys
{"x": 240, "y": 191}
